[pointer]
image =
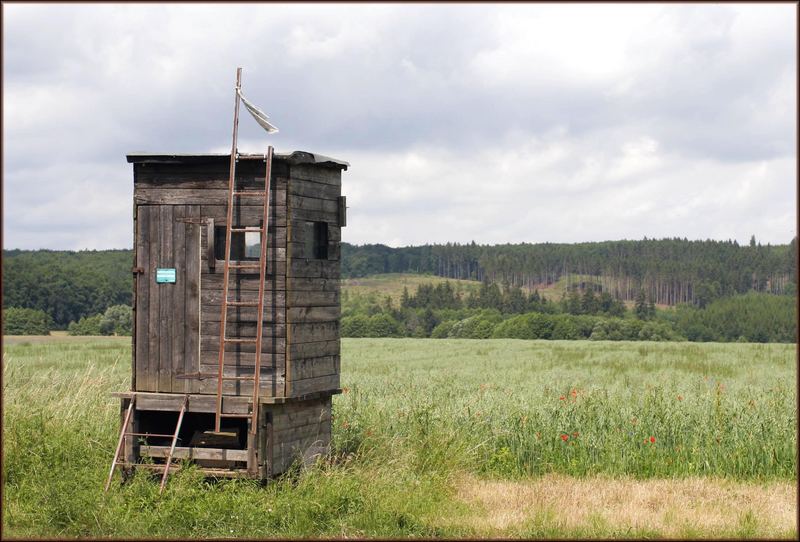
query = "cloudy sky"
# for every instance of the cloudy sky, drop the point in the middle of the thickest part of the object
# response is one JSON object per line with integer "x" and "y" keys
{"x": 508, "y": 123}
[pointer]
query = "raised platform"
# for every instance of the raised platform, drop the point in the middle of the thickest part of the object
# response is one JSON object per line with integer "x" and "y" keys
{"x": 231, "y": 404}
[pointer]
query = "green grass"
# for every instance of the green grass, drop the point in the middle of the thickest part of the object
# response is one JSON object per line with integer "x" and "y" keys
{"x": 418, "y": 416}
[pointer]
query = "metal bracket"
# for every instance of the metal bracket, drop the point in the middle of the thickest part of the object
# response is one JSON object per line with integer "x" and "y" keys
{"x": 137, "y": 270}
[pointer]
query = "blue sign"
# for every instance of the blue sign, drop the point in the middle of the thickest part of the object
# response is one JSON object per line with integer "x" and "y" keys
{"x": 165, "y": 274}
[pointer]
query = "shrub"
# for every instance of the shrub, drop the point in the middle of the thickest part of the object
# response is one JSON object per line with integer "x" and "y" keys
{"x": 533, "y": 325}
{"x": 383, "y": 325}
{"x": 355, "y": 326}
{"x": 479, "y": 326}
{"x": 564, "y": 329}
{"x": 658, "y": 331}
{"x": 117, "y": 320}
{"x": 19, "y": 321}
{"x": 442, "y": 331}
{"x": 88, "y": 325}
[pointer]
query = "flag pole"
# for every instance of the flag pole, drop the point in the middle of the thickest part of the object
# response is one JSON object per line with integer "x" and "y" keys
{"x": 231, "y": 186}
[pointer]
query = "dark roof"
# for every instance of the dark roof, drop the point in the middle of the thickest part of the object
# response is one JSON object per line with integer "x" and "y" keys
{"x": 296, "y": 157}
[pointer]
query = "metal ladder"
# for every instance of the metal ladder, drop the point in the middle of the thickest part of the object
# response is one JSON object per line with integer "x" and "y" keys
{"x": 261, "y": 266}
{"x": 123, "y": 434}
{"x": 227, "y": 266}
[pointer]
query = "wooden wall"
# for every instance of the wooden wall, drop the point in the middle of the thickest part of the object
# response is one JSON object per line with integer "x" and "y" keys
{"x": 200, "y": 191}
{"x": 299, "y": 431}
{"x": 300, "y": 351}
{"x": 313, "y": 303}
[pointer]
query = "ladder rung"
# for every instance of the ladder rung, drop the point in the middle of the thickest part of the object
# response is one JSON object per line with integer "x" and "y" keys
{"x": 244, "y": 265}
{"x": 223, "y": 415}
{"x": 243, "y": 303}
{"x": 240, "y": 340}
{"x": 248, "y": 229}
{"x": 249, "y": 194}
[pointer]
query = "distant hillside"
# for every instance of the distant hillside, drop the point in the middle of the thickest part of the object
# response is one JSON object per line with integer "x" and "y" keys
{"x": 671, "y": 271}
{"x": 65, "y": 284}
{"x": 69, "y": 285}
{"x": 392, "y": 284}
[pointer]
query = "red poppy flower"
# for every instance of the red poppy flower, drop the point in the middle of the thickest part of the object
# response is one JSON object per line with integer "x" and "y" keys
{"x": 565, "y": 437}
{"x": 652, "y": 440}
{"x": 561, "y": 398}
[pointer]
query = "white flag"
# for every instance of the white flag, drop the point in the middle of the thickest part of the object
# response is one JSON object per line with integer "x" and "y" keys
{"x": 260, "y": 116}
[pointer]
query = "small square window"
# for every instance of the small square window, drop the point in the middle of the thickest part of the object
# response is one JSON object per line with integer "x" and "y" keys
{"x": 245, "y": 246}
{"x": 316, "y": 240}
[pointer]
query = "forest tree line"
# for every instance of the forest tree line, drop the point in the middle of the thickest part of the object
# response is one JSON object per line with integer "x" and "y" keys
{"x": 442, "y": 311}
{"x": 68, "y": 286}
{"x": 670, "y": 271}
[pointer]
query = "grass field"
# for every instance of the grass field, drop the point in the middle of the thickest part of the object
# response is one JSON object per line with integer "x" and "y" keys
{"x": 439, "y": 438}
{"x": 392, "y": 284}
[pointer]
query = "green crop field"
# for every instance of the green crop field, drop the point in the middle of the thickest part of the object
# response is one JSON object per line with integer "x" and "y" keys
{"x": 439, "y": 438}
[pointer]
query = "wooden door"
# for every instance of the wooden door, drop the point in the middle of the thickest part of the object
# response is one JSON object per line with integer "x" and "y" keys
{"x": 167, "y": 296}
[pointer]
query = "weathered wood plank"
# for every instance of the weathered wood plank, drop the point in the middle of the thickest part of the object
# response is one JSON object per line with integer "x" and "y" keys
{"x": 314, "y": 350}
{"x": 313, "y": 189}
{"x": 300, "y": 284}
{"x": 287, "y": 418}
{"x": 300, "y": 298}
{"x": 214, "y": 297}
{"x": 317, "y": 429}
{"x": 193, "y": 268}
{"x": 245, "y": 329}
{"x": 182, "y": 452}
{"x": 247, "y": 171}
{"x": 315, "y": 331}
{"x": 312, "y": 314}
{"x": 213, "y": 281}
{"x": 244, "y": 215}
{"x": 314, "y": 269}
{"x": 211, "y": 344}
{"x": 166, "y": 300}
{"x": 142, "y": 296}
{"x": 314, "y": 204}
{"x": 151, "y": 379}
{"x": 212, "y": 182}
{"x": 213, "y": 312}
{"x": 197, "y": 403}
{"x": 272, "y": 360}
{"x": 270, "y": 387}
{"x": 320, "y": 383}
{"x": 332, "y": 218}
{"x": 203, "y": 196}
{"x": 311, "y": 172}
{"x": 177, "y": 324}
{"x": 304, "y": 368}
{"x": 274, "y": 268}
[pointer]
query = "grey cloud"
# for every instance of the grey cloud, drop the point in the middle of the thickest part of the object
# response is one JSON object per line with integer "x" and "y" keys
{"x": 707, "y": 84}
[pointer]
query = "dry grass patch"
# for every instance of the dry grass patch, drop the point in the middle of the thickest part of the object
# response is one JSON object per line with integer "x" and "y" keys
{"x": 696, "y": 507}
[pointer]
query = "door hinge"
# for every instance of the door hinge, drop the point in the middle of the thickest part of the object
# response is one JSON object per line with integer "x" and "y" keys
{"x": 137, "y": 270}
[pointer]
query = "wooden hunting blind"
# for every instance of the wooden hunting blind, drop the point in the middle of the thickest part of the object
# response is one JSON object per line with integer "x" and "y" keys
{"x": 190, "y": 327}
